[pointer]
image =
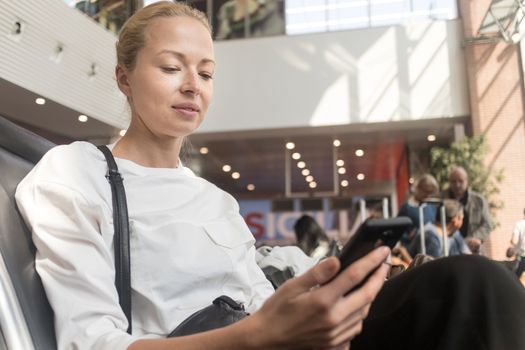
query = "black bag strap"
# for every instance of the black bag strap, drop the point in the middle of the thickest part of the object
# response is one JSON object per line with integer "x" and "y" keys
{"x": 121, "y": 235}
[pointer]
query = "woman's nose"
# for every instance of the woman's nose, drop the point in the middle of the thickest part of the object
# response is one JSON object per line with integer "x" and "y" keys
{"x": 191, "y": 84}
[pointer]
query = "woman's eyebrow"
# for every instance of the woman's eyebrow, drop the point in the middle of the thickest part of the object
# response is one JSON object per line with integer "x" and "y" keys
{"x": 182, "y": 56}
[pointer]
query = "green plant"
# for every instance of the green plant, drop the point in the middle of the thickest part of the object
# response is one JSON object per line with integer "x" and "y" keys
{"x": 469, "y": 153}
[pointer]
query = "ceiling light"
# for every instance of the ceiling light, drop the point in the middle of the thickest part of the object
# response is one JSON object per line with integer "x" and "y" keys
{"x": 122, "y": 132}
{"x": 340, "y": 162}
{"x": 359, "y": 152}
{"x": 226, "y": 168}
{"x": 82, "y": 118}
{"x": 341, "y": 171}
{"x": 360, "y": 176}
{"x": 250, "y": 187}
{"x": 236, "y": 175}
{"x": 301, "y": 164}
{"x": 40, "y": 101}
{"x": 431, "y": 138}
{"x": 290, "y": 145}
{"x": 305, "y": 172}
{"x": 204, "y": 150}
{"x": 312, "y": 184}
{"x": 344, "y": 183}
{"x": 337, "y": 143}
{"x": 309, "y": 178}
{"x": 296, "y": 155}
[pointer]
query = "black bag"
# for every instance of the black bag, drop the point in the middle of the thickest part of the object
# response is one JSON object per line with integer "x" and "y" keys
{"x": 222, "y": 312}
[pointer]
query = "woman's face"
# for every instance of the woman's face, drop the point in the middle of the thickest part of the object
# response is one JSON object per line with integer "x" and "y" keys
{"x": 170, "y": 88}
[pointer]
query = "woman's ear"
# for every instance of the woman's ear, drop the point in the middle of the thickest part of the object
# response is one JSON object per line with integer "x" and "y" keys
{"x": 122, "y": 80}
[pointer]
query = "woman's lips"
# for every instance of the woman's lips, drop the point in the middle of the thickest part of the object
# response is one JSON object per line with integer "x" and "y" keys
{"x": 186, "y": 110}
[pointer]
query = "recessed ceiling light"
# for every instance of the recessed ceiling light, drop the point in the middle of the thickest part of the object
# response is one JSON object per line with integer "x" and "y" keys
{"x": 305, "y": 172}
{"x": 359, "y": 152}
{"x": 290, "y": 145}
{"x": 312, "y": 184}
{"x": 40, "y": 101}
{"x": 82, "y": 118}
{"x": 360, "y": 176}
{"x": 431, "y": 138}
{"x": 337, "y": 143}
{"x": 341, "y": 171}
{"x": 344, "y": 183}
{"x": 309, "y": 178}
{"x": 122, "y": 132}
{"x": 301, "y": 164}
{"x": 226, "y": 168}
{"x": 236, "y": 175}
{"x": 204, "y": 150}
{"x": 340, "y": 162}
{"x": 296, "y": 155}
{"x": 250, "y": 187}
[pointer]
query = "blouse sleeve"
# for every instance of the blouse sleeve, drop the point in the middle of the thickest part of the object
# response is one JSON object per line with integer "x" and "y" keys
{"x": 263, "y": 289}
{"x": 75, "y": 265}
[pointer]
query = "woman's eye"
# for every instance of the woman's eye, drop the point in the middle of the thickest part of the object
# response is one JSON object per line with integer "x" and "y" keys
{"x": 170, "y": 69}
{"x": 206, "y": 76}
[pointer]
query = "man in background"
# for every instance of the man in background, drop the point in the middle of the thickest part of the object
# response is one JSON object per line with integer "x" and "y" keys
{"x": 477, "y": 223}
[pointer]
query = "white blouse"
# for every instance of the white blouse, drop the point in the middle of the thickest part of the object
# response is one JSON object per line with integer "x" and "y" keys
{"x": 189, "y": 245}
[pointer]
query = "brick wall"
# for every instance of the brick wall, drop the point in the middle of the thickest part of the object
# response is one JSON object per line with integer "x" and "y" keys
{"x": 496, "y": 91}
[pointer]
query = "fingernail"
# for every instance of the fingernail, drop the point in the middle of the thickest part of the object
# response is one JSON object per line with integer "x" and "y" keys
{"x": 384, "y": 250}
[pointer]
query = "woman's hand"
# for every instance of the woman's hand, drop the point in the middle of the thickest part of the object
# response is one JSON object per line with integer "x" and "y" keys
{"x": 312, "y": 310}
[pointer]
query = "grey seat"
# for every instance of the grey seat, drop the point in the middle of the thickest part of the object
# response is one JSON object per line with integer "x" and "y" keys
{"x": 26, "y": 319}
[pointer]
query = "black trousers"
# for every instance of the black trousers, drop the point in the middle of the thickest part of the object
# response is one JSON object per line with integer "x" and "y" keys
{"x": 460, "y": 302}
{"x": 521, "y": 266}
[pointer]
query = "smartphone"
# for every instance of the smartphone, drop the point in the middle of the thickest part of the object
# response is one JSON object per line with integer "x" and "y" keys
{"x": 371, "y": 234}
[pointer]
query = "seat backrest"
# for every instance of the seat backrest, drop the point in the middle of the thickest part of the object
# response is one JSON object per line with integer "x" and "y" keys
{"x": 26, "y": 318}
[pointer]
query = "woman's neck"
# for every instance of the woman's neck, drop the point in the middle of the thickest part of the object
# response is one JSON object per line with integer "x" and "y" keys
{"x": 149, "y": 151}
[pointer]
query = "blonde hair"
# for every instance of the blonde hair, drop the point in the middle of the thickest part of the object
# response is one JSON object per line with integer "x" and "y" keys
{"x": 131, "y": 38}
{"x": 427, "y": 179}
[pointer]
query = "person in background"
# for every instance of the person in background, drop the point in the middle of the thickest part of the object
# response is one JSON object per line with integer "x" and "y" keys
{"x": 434, "y": 233}
{"x": 313, "y": 240}
{"x": 425, "y": 187}
{"x": 517, "y": 247}
{"x": 477, "y": 223}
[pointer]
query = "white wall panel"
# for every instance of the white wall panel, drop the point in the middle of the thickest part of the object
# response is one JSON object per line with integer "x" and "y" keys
{"x": 28, "y": 60}
{"x": 370, "y": 75}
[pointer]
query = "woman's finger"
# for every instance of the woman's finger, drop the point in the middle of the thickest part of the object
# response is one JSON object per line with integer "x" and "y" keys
{"x": 355, "y": 273}
{"x": 317, "y": 275}
{"x": 367, "y": 293}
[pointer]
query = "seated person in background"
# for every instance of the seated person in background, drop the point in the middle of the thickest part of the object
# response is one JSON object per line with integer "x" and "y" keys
{"x": 434, "y": 233}
{"x": 425, "y": 187}
{"x": 312, "y": 239}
